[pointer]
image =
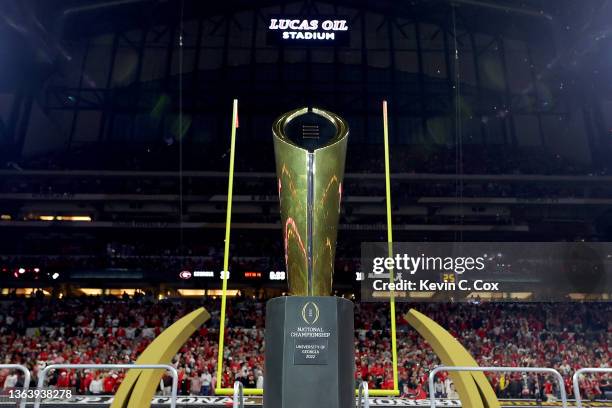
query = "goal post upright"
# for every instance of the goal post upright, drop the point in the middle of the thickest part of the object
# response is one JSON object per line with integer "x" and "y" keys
{"x": 395, "y": 390}
{"x": 228, "y": 222}
{"x": 258, "y": 391}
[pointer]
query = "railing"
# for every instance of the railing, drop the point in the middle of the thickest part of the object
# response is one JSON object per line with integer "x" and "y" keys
{"x": 238, "y": 401}
{"x": 362, "y": 392}
{"x": 576, "y": 376}
{"x": 432, "y": 375}
{"x": 363, "y": 396}
{"x": 26, "y": 380}
{"x": 43, "y": 374}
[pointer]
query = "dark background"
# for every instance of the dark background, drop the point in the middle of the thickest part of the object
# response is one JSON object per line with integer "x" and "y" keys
{"x": 500, "y": 130}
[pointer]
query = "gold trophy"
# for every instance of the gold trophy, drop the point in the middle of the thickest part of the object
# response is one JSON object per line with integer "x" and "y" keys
{"x": 309, "y": 336}
{"x": 310, "y": 150}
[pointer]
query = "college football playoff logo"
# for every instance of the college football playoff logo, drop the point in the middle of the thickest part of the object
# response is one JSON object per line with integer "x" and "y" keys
{"x": 310, "y": 312}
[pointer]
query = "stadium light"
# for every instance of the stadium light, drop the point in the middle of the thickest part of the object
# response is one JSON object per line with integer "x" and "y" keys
{"x": 192, "y": 292}
{"x": 85, "y": 218}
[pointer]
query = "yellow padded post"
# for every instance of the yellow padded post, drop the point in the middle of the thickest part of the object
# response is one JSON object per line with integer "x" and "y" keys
{"x": 473, "y": 388}
{"x": 139, "y": 386}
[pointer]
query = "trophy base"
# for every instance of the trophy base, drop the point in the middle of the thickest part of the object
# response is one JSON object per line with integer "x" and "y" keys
{"x": 310, "y": 356}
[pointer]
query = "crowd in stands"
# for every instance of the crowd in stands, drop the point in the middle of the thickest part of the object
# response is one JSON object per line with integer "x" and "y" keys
{"x": 566, "y": 336}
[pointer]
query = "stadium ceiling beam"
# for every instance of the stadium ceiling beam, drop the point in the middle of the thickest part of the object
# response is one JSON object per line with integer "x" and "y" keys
{"x": 214, "y": 199}
{"x": 166, "y": 225}
{"x": 424, "y": 177}
{"x": 78, "y": 20}
{"x": 506, "y": 7}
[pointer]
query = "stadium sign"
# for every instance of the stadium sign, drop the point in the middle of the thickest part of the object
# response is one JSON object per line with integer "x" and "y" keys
{"x": 306, "y": 31}
{"x": 277, "y": 275}
{"x": 204, "y": 274}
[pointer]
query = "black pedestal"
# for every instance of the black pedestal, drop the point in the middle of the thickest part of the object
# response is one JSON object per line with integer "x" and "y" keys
{"x": 310, "y": 356}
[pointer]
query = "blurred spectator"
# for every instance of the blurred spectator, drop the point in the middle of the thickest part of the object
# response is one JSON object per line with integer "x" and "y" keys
{"x": 565, "y": 336}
